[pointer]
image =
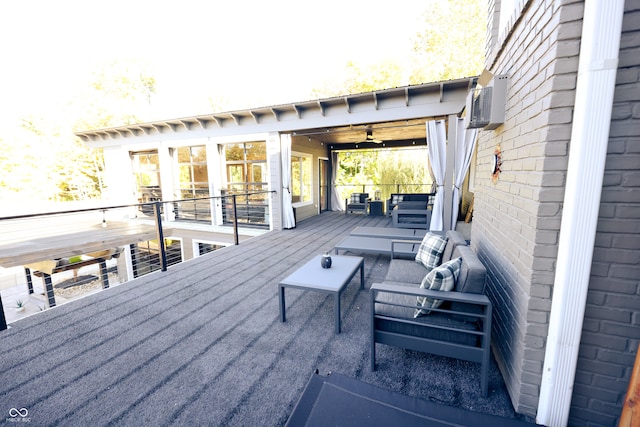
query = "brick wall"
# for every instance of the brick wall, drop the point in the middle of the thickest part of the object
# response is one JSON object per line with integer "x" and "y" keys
{"x": 611, "y": 331}
{"x": 517, "y": 219}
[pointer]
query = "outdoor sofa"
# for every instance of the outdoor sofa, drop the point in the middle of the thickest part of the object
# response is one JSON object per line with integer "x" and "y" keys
{"x": 460, "y": 327}
{"x": 396, "y": 198}
{"x": 410, "y": 210}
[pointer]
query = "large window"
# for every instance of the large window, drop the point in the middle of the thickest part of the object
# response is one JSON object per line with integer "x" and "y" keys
{"x": 247, "y": 177}
{"x": 301, "y": 178}
{"x": 193, "y": 184}
{"x": 146, "y": 176}
{"x": 246, "y": 167}
{"x": 192, "y": 167}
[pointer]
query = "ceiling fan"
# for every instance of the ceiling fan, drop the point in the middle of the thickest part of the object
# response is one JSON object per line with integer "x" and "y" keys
{"x": 370, "y": 137}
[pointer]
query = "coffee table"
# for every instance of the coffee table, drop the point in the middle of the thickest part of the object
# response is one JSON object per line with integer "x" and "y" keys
{"x": 312, "y": 277}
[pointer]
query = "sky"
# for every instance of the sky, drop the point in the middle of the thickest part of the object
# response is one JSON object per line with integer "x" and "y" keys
{"x": 259, "y": 51}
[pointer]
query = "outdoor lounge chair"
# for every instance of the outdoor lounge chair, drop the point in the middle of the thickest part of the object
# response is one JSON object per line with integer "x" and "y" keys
{"x": 389, "y": 233}
{"x": 395, "y": 248}
{"x": 460, "y": 327}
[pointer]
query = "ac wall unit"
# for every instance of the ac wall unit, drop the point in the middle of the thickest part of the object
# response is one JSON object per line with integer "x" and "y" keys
{"x": 486, "y": 106}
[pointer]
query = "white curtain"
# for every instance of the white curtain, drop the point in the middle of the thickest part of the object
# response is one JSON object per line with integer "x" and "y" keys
{"x": 288, "y": 218}
{"x": 465, "y": 144}
{"x": 336, "y": 202}
{"x": 437, "y": 146}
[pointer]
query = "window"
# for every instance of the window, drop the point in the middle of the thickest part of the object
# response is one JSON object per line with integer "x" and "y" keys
{"x": 247, "y": 177}
{"x": 246, "y": 167}
{"x": 301, "y": 181}
{"x": 192, "y": 166}
{"x": 146, "y": 176}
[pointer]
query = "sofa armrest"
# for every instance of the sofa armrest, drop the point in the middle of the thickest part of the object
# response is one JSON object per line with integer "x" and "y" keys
{"x": 452, "y": 296}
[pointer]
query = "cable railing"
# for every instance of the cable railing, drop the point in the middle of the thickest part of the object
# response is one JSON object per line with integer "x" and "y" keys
{"x": 94, "y": 248}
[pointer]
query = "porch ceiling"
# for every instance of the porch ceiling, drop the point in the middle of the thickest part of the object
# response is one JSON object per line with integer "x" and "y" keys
{"x": 373, "y": 135}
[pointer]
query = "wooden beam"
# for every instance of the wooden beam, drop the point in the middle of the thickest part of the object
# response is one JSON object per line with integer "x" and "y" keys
{"x": 630, "y": 416}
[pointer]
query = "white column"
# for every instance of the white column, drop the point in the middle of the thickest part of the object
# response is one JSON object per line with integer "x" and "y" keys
{"x": 448, "y": 171}
{"x": 589, "y": 139}
{"x": 118, "y": 176}
{"x": 215, "y": 171}
{"x": 275, "y": 180}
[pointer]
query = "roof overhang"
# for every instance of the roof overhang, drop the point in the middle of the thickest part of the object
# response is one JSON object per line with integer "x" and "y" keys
{"x": 339, "y": 120}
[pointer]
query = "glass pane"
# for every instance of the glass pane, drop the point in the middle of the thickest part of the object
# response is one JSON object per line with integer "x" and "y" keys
{"x": 184, "y": 155}
{"x": 307, "y": 181}
{"x": 234, "y": 152}
{"x": 296, "y": 164}
{"x": 235, "y": 173}
{"x": 199, "y": 154}
{"x": 200, "y": 173}
{"x": 256, "y": 151}
{"x": 185, "y": 174}
{"x": 148, "y": 179}
{"x": 152, "y": 161}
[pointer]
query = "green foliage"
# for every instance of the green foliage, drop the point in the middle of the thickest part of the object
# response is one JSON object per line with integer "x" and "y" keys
{"x": 382, "y": 75}
{"x": 43, "y": 160}
{"x": 452, "y": 44}
{"x": 387, "y": 170}
{"x": 450, "y": 47}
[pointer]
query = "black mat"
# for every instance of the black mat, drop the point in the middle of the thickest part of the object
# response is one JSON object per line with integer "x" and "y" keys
{"x": 337, "y": 400}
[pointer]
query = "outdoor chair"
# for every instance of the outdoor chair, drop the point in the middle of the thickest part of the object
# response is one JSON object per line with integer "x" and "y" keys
{"x": 453, "y": 323}
{"x": 358, "y": 202}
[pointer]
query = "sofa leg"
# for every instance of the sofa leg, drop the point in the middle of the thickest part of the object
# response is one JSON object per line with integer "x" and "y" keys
{"x": 484, "y": 379}
{"x": 373, "y": 356}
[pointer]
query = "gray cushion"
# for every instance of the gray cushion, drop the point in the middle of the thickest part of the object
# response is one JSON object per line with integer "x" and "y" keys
{"x": 454, "y": 238}
{"x": 431, "y": 249}
{"x": 472, "y": 274}
{"x": 406, "y": 271}
{"x": 442, "y": 278}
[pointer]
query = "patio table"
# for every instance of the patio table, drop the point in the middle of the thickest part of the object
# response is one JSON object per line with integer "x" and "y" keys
{"x": 334, "y": 280}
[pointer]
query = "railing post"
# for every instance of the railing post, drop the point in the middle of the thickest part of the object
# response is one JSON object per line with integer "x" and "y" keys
{"x": 236, "y": 241}
{"x": 3, "y": 320}
{"x": 163, "y": 250}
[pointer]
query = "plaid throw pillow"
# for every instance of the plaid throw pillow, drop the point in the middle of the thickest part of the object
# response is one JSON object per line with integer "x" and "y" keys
{"x": 355, "y": 198}
{"x": 441, "y": 278}
{"x": 431, "y": 249}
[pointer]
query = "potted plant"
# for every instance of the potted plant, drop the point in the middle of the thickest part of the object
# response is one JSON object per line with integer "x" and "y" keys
{"x": 20, "y": 305}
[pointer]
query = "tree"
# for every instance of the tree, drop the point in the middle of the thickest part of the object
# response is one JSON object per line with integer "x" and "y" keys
{"x": 452, "y": 43}
{"x": 43, "y": 160}
{"x": 451, "y": 46}
{"x": 383, "y": 169}
{"x": 378, "y": 76}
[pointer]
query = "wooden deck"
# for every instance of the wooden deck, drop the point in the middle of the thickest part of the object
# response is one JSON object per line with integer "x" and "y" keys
{"x": 202, "y": 343}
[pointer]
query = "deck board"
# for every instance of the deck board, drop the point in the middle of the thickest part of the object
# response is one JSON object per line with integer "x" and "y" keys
{"x": 202, "y": 343}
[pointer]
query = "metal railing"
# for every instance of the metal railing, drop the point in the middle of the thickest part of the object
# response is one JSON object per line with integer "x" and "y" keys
{"x": 72, "y": 239}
